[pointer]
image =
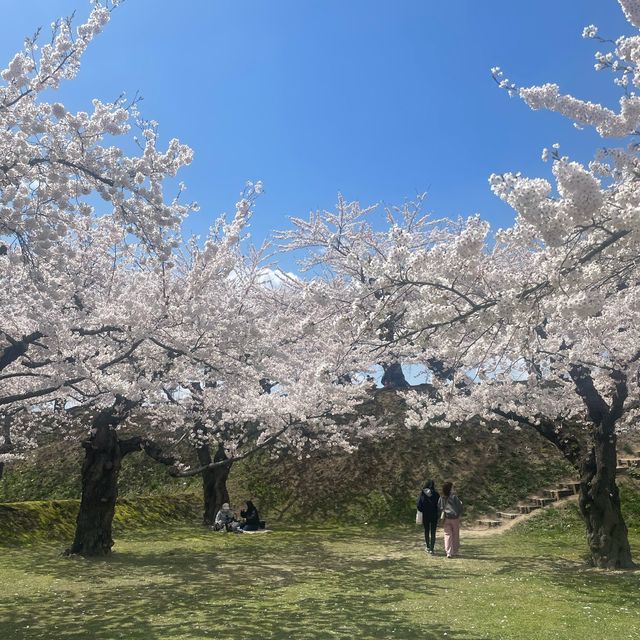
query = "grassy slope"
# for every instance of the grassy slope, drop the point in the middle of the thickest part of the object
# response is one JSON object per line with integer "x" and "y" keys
{"x": 379, "y": 483}
{"x": 53, "y": 473}
{"x": 528, "y": 584}
{"x": 376, "y": 485}
{"x": 29, "y": 522}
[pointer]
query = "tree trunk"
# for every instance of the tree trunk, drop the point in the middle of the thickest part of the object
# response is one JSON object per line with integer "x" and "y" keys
{"x": 100, "y": 471}
{"x": 7, "y": 445}
{"x": 214, "y": 482}
{"x": 599, "y": 501}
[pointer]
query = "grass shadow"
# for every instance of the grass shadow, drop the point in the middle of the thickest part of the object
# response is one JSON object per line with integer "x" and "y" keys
{"x": 301, "y": 584}
{"x": 189, "y": 582}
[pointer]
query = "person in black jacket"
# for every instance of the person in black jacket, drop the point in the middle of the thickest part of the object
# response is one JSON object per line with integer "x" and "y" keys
{"x": 251, "y": 517}
{"x": 428, "y": 505}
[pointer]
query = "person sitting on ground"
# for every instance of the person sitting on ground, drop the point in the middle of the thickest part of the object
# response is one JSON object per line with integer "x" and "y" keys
{"x": 251, "y": 517}
{"x": 226, "y": 519}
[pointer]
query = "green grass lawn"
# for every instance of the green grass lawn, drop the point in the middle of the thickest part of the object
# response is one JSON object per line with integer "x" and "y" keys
{"x": 320, "y": 583}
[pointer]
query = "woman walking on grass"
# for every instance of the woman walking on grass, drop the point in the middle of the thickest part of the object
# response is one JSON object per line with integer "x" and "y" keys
{"x": 451, "y": 509}
{"x": 428, "y": 506}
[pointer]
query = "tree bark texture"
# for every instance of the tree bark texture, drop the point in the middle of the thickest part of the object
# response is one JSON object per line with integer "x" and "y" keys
{"x": 599, "y": 499}
{"x": 100, "y": 469}
{"x": 214, "y": 482}
{"x": 599, "y": 502}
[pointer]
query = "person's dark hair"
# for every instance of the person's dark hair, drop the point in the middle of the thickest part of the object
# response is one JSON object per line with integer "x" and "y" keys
{"x": 250, "y": 505}
{"x": 446, "y": 489}
{"x": 430, "y": 485}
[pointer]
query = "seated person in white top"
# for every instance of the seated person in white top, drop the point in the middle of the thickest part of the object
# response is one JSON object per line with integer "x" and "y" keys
{"x": 226, "y": 519}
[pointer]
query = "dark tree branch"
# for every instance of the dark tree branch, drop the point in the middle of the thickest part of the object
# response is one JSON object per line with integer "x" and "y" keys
{"x": 17, "y": 348}
{"x": 621, "y": 393}
{"x": 597, "y": 407}
{"x": 556, "y": 432}
{"x": 122, "y": 356}
{"x": 227, "y": 461}
{"x": 152, "y": 449}
{"x": 94, "y": 332}
{"x": 37, "y": 393}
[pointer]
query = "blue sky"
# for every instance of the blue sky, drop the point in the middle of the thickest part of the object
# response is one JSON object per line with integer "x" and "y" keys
{"x": 377, "y": 99}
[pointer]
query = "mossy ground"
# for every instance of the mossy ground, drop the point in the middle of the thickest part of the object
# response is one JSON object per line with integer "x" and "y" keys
{"x": 29, "y": 522}
{"x": 332, "y": 582}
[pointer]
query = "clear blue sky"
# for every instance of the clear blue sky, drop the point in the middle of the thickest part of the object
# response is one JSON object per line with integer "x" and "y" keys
{"x": 377, "y": 99}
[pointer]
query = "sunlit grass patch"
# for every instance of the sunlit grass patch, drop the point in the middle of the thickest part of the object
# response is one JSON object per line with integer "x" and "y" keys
{"x": 316, "y": 583}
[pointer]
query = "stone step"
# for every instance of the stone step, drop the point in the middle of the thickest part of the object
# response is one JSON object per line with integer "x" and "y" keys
{"x": 541, "y": 501}
{"x": 566, "y": 488}
{"x": 629, "y": 462}
{"x": 528, "y": 508}
{"x": 489, "y": 523}
{"x": 505, "y": 515}
{"x": 556, "y": 494}
{"x": 573, "y": 485}
{"x": 622, "y": 469}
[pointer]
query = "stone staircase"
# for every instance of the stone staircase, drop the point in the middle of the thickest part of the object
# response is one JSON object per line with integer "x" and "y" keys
{"x": 564, "y": 489}
{"x": 628, "y": 462}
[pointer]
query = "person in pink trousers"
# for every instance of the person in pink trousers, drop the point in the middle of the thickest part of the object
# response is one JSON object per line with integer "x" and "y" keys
{"x": 451, "y": 508}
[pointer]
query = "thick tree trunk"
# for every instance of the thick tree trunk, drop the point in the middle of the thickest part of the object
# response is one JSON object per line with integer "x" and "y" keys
{"x": 100, "y": 471}
{"x": 599, "y": 501}
{"x": 214, "y": 482}
{"x": 7, "y": 445}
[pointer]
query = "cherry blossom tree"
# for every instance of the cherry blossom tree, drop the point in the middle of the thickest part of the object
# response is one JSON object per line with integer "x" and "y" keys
{"x": 168, "y": 349}
{"x": 583, "y": 309}
{"x": 61, "y": 170}
{"x": 84, "y": 228}
{"x": 155, "y": 340}
{"x": 264, "y": 359}
{"x": 552, "y": 337}
{"x": 94, "y": 312}
{"x": 105, "y": 313}
{"x": 535, "y": 324}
